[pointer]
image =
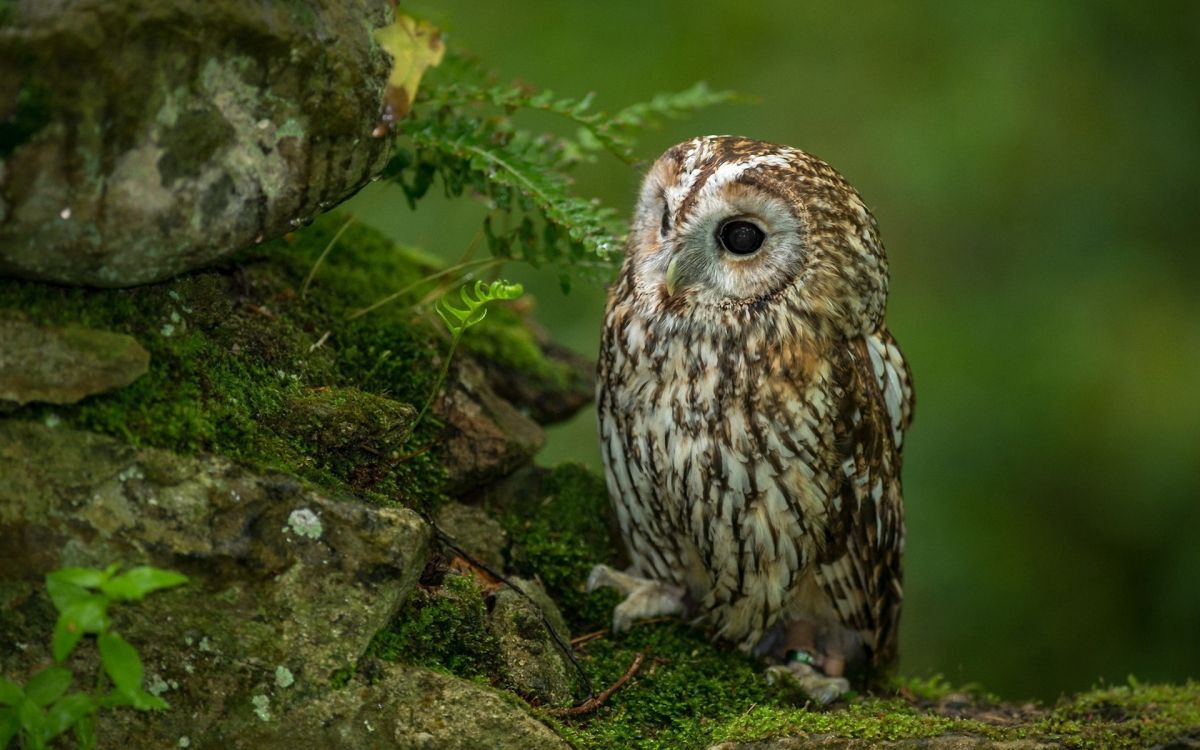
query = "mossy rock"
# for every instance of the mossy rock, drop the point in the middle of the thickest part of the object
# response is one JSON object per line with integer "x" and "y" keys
{"x": 141, "y": 140}
{"x": 285, "y": 582}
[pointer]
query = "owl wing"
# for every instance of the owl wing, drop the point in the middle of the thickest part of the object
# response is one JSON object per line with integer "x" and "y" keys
{"x": 859, "y": 566}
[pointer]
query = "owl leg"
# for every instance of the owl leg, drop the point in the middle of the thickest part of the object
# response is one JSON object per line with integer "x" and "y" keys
{"x": 644, "y": 598}
{"x": 815, "y": 664}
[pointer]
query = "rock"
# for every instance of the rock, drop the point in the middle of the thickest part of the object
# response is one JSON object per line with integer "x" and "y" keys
{"x": 485, "y": 437}
{"x": 563, "y": 384}
{"x": 476, "y": 531}
{"x": 142, "y": 139}
{"x": 531, "y": 663}
{"x": 287, "y": 587}
{"x": 409, "y": 707}
{"x": 62, "y": 364}
{"x": 942, "y": 742}
{"x": 349, "y": 428}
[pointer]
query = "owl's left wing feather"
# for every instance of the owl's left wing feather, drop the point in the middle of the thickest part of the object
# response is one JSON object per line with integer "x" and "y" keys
{"x": 860, "y": 564}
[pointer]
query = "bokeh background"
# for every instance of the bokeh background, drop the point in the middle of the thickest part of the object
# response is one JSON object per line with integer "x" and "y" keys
{"x": 1035, "y": 169}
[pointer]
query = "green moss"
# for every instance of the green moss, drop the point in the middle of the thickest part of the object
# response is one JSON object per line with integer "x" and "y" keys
{"x": 242, "y": 366}
{"x": 1132, "y": 716}
{"x": 444, "y": 628}
{"x": 558, "y": 535}
{"x": 509, "y": 343}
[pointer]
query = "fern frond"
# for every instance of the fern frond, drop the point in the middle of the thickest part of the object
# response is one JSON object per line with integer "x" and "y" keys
{"x": 474, "y": 308}
{"x": 460, "y": 133}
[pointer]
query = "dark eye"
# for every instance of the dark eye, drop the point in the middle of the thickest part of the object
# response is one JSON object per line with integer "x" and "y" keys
{"x": 741, "y": 237}
{"x": 666, "y": 221}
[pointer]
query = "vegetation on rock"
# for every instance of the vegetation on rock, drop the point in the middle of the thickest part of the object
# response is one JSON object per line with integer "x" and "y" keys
{"x": 42, "y": 709}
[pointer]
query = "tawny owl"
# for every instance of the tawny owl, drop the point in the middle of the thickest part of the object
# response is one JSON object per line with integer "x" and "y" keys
{"x": 752, "y": 407}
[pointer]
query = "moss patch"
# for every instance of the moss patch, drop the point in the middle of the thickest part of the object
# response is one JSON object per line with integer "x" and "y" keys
{"x": 557, "y": 535}
{"x": 241, "y": 365}
{"x": 444, "y": 628}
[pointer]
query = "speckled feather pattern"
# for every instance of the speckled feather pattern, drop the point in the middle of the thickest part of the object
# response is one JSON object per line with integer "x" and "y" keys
{"x": 751, "y": 423}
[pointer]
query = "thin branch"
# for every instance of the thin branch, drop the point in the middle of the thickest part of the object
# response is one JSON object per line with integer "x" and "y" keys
{"x": 596, "y": 701}
{"x": 582, "y": 639}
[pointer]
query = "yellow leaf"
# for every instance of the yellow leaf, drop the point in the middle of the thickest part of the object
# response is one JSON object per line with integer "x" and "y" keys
{"x": 414, "y": 46}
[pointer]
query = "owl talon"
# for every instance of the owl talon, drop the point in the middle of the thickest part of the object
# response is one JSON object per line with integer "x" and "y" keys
{"x": 819, "y": 687}
{"x": 644, "y": 598}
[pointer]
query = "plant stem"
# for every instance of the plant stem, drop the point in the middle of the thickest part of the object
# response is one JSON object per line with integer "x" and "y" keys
{"x": 321, "y": 259}
{"x": 441, "y": 378}
{"x": 432, "y": 277}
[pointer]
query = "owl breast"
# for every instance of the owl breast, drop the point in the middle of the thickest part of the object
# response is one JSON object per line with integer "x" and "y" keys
{"x": 718, "y": 465}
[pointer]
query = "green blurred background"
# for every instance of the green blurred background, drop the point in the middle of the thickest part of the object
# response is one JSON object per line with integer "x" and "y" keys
{"x": 1035, "y": 169}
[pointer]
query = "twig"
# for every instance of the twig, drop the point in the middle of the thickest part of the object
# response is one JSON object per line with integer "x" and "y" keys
{"x": 582, "y": 639}
{"x": 320, "y": 342}
{"x": 596, "y": 701}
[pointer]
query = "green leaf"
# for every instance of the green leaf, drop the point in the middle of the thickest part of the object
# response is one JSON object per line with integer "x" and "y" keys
{"x": 88, "y": 578}
{"x": 144, "y": 701}
{"x": 67, "y": 712}
{"x": 85, "y": 732}
{"x": 9, "y": 726}
{"x": 121, "y": 663}
{"x": 33, "y": 721}
{"x": 10, "y": 694}
{"x": 66, "y": 637}
{"x": 65, "y": 593}
{"x": 48, "y": 685}
{"x": 139, "y": 699}
{"x": 85, "y": 616}
{"x": 134, "y": 584}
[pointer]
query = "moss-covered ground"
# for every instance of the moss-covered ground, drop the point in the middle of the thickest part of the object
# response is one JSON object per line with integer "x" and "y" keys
{"x": 691, "y": 692}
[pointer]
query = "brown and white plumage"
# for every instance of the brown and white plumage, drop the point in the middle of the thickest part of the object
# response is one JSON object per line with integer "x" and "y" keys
{"x": 752, "y": 405}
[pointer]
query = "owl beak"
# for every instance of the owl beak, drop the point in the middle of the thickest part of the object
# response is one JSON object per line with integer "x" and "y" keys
{"x": 672, "y": 270}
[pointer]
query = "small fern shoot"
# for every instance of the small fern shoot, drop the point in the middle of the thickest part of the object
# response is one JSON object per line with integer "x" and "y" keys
{"x": 459, "y": 319}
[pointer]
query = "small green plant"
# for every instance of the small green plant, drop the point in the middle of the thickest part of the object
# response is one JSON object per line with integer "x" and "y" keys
{"x": 42, "y": 709}
{"x": 459, "y": 319}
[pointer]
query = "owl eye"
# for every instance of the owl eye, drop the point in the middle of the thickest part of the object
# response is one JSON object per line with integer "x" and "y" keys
{"x": 740, "y": 237}
{"x": 666, "y": 221}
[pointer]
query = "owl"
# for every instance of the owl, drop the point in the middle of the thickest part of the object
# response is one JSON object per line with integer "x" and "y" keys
{"x": 752, "y": 409}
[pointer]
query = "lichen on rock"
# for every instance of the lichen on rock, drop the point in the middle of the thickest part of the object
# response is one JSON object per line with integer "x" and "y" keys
{"x": 247, "y": 122}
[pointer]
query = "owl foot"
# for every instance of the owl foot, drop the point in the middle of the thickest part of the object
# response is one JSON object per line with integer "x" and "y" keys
{"x": 644, "y": 598}
{"x": 816, "y": 685}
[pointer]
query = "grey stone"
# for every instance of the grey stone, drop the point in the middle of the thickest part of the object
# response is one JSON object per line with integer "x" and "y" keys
{"x": 62, "y": 364}
{"x": 486, "y": 437}
{"x": 475, "y": 530}
{"x": 144, "y": 138}
{"x": 407, "y": 708}
{"x": 280, "y": 575}
{"x": 531, "y": 662}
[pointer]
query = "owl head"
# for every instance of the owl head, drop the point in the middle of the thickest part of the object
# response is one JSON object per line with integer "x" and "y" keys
{"x": 731, "y": 226}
